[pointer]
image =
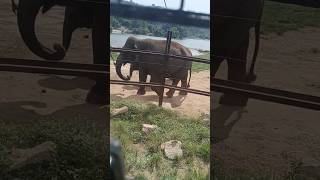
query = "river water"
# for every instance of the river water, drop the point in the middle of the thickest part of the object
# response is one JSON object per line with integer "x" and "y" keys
{"x": 118, "y": 40}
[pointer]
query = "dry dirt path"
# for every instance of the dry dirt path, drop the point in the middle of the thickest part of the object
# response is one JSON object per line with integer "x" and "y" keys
{"x": 263, "y": 133}
{"x": 191, "y": 105}
{"x": 26, "y": 97}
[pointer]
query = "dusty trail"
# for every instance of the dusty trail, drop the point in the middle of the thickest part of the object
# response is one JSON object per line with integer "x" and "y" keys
{"x": 192, "y": 104}
{"x": 262, "y": 134}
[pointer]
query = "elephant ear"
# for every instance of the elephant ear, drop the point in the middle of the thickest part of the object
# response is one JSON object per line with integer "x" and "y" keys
{"x": 47, "y": 6}
{"x": 135, "y": 46}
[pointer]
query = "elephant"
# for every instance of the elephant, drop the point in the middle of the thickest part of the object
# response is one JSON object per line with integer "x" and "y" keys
{"x": 77, "y": 14}
{"x": 231, "y": 41}
{"x": 177, "y": 70}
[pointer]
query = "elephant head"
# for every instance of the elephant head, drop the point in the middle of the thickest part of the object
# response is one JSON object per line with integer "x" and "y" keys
{"x": 75, "y": 17}
{"x": 27, "y": 13}
{"x": 124, "y": 58}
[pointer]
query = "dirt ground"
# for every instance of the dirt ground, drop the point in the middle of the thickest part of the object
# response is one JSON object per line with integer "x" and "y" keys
{"x": 266, "y": 134}
{"x": 25, "y": 97}
{"x": 192, "y": 105}
{"x": 260, "y": 134}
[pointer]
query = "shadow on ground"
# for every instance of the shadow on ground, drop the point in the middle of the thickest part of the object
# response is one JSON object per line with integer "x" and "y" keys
{"x": 64, "y": 84}
{"x": 25, "y": 111}
{"x": 174, "y": 102}
{"x": 224, "y": 118}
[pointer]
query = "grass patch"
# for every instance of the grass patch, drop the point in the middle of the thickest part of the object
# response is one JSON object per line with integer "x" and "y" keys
{"x": 143, "y": 156}
{"x": 197, "y": 67}
{"x": 279, "y": 18}
{"x": 114, "y": 56}
{"x": 81, "y": 149}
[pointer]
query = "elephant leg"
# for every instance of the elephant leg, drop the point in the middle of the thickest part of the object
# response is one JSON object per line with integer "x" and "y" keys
{"x": 237, "y": 72}
{"x": 184, "y": 84}
{"x": 158, "y": 90}
{"x": 142, "y": 78}
{"x": 99, "y": 93}
{"x": 171, "y": 91}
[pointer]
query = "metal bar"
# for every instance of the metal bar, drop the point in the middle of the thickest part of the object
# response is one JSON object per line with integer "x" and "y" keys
{"x": 164, "y": 66}
{"x": 152, "y": 53}
{"x": 305, "y": 3}
{"x": 56, "y": 71}
{"x": 160, "y": 15}
{"x": 54, "y": 64}
{"x": 266, "y": 94}
{"x": 133, "y": 83}
{"x": 50, "y": 67}
{"x": 260, "y": 89}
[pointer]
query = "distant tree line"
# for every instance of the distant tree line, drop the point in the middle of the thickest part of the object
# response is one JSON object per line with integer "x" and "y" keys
{"x": 157, "y": 29}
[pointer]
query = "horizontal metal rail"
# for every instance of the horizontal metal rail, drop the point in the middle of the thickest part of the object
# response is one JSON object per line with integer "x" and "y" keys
{"x": 266, "y": 94}
{"x": 57, "y": 68}
{"x": 74, "y": 69}
{"x": 193, "y": 91}
{"x": 218, "y": 85}
{"x": 152, "y": 53}
{"x": 160, "y": 15}
{"x": 53, "y": 64}
{"x": 305, "y": 3}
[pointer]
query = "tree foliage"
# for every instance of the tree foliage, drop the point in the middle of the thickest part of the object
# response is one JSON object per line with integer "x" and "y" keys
{"x": 157, "y": 29}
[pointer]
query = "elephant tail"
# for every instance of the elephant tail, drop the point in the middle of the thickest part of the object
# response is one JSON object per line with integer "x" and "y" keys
{"x": 189, "y": 78}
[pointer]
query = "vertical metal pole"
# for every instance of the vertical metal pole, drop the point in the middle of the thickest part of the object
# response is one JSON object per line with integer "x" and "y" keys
{"x": 164, "y": 66}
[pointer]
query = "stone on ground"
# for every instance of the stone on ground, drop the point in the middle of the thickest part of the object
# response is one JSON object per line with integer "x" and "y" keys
{"x": 148, "y": 127}
{"x": 172, "y": 149}
{"x": 119, "y": 111}
{"x": 23, "y": 157}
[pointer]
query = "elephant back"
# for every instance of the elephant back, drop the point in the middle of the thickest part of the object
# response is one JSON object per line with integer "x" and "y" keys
{"x": 174, "y": 66}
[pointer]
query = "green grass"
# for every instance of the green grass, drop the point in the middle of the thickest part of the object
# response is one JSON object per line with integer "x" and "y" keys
{"x": 143, "y": 155}
{"x": 279, "y": 18}
{"x": 196, "y": 67}
{"x": 81, "y": 149}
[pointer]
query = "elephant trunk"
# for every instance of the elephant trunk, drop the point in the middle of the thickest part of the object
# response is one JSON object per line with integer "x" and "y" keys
{"x": 131, "y": 71}
{"x": 119, "y": 65}
{"x": 27, "y": 13}
{"x": 68, "y": 28}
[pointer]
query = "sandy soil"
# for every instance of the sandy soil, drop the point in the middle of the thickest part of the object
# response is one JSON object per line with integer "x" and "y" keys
{"x": 266, "y": 134}
{"x": 192, "y": 105}
{"x": 25, "y": 97}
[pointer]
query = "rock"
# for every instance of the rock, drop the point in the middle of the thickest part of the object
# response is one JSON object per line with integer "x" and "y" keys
{"x": 42, "y": 152}
{"x": 148, "y": 127}
{"x": 172, "y": 149}
{"x": 119, "y": 111}
{"x": 205, "y": 117}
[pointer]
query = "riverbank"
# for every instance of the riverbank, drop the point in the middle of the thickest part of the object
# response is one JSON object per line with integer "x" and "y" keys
{"x": 197, "y": 46}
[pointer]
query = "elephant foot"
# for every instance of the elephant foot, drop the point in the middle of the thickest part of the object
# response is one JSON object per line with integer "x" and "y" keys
{"x": 183, "y": 93}
{"x": 97, "y": 96}
{"x": 141, "y": 92}
{"x": 169, "y": 94}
